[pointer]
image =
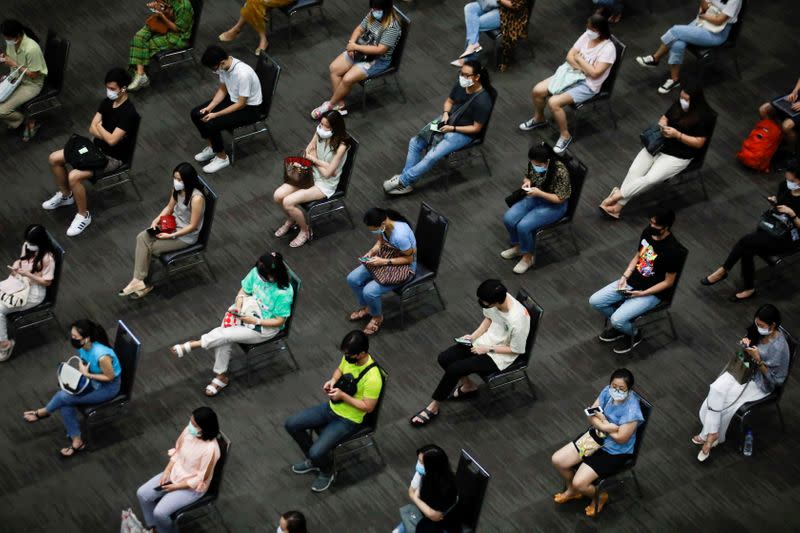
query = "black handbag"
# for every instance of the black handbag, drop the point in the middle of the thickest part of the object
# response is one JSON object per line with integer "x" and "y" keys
{"x": 82, "y": 154}
{"x": 774, "y": 224}
{"x": 515, "y": 197}
{"x": 652, "y": 140}
{"x": 349, "y": 384}
{"x": 367, "y": 39}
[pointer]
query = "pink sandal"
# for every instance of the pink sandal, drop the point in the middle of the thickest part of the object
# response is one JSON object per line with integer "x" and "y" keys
{"x": 302, "y": 238}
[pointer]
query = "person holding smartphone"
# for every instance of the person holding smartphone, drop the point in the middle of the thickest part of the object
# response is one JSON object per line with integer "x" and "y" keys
{"x": 187, "y": 204}
{"x": 188, "y": 474}
{"x": 547, "y": 187}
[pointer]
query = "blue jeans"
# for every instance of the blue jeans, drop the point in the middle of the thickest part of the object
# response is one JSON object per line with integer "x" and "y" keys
{"x": 677, "y": 37}
{"x": 368, "y": 291}
{"x": 620, "y": 310}
{"x": 66, "y": 403}
{"x": 525, "y": 217}
{"x": 416, "y": 165}
{"x": 332, "y": 430}
{"x": 478, "y": 21}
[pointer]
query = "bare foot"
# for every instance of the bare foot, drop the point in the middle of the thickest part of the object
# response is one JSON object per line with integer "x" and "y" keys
{"x": 613, "y": 212}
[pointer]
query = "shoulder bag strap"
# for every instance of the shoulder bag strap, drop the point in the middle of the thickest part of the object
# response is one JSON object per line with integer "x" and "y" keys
{"x": 452, "y": 118}
{"x": 364, "y": 372}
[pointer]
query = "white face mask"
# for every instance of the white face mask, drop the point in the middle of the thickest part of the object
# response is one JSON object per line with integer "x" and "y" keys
{"x": 112, "y": 95}
{"x": 322, "y": 133}
{"x": 178, "y": 185}
{"x": 592, "y": 35}
{"x": 618, "y": 395}
{"x": 465, "y": 82}
{"x": 11, "y": 43}
{"x": 792, "y": 185}
{"x": 31, "y": 247}
{"x": 684, "y": 104}
{"x": 762, "y": 331}
{"x": 279, "y": 530}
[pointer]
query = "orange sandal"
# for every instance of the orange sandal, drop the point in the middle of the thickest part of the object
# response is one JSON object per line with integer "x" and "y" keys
{"x": 601, "y": 502}
{"x": 562, "y": 497}
{"x": 362, "y": 313}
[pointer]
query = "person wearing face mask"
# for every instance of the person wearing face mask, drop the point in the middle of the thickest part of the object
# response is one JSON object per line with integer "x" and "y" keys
{"x": 113, "y": 123}
{"x": 22, "y": 50}
{"x": 368, "y": 53}
{"x": 786, "y": 205}
{"x": 187, "y": 204}
{"x": 342, "y": 415}
{"x": 547, "y": 195}
{"x": 292, "y": 522}
{"x": 259, "y": 312}
{"x": 764, "y": 344}
{"x": 327, "y": 151}
{"x": 621, "y": 415}
{"x": 100, "y": 365}
{"x": 646, "y": 281}
{"x": 236, "y": 102}
{"x": 589, "y": 61}
{"x": 493, "y": 346}
{"x": 466, "y": 111}
{"x": 187, "y": 475}
{"x": 35, "y": 267}
{"x": 395, "y": 249}
{"x": 685, "y": 127}
{"x": 433, "y": 494}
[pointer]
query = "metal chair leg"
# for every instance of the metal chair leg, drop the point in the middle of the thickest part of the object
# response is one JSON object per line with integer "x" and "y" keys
{"x": 439, "y": 294}
{"x": 736, "y": 64}
{"x": 485, "y": 162}
{"x": 378, "y": 450}
{"x": 611, "y": 114}
{"x": 135, "y": 189}
{"x": 349, "y": 218}
{"x": 364, "y": 97}
{"x": 291, "y": 356}
{"x": 396, "y": 79}
{"x": 636, "y": 482}
{"x": 780, "y": 417}
{"x": 530, "y": 385}
{"x": 672, "y": 326}
{"x": 402, "y": 313}
{"x": 290, "y": 32}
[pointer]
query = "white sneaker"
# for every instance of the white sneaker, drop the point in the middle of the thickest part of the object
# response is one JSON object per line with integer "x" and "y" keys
{"x": 217, "y": 164}
{"x": 401, "y": 190}
{"x": 79, "y": 223}
{"x": 58, "y": 200}
{"x": 140, "y": 81}
{"x": 561, "y": 145}
{"x": 392, "y": 183}
{"x": 511, "y": 253}
{"x": 206, "y": 155}
{"x": 523, "y": 266}
{"x": 668, "y": 85}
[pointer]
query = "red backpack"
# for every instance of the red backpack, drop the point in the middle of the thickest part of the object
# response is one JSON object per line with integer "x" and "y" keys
{"x": 759, "y": 147}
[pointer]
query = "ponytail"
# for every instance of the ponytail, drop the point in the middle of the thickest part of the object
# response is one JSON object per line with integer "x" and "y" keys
{"x": 93, "y": 330}
{"x": 376, "y": 215}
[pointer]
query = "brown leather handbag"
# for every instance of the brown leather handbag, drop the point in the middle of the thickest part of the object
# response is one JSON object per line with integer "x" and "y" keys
{"x": 389, "y": 274}
{"x": 156, "y": 23}
{"x": 298, "y": 172}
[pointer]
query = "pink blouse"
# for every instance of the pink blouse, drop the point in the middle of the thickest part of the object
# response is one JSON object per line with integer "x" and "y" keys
{"x": 192, "y": 458}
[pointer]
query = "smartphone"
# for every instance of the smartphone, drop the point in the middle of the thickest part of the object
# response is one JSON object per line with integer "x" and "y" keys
{"x": 590, "y": 411}
{"x": 627, "y": 288}
{"x": 161, "y": 487}
{"x": 462, "y": 340}
{"x": 153, "y": 231}
{"x": 364, "y": 259}
{"x": 770, "y": 200}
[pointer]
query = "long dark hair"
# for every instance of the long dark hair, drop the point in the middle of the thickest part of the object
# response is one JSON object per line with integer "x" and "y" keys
{"x": 481, "y": 71}
{"x": 295, "y": 522}
{"x": 338, "y": 129}
{"x": 14, "y": 28}
{"x": 37, "y": 235}
{"x": 271, "y": 267}
{"x": 91, "y": 329}
{"x": 439, "y": 480}
{"x": 207, "y": 422}
{"x": 768, "y": 314}
{"x": 600, "y": 24}
{"x": 698, "y": 106}
{"x": 190, "y": 181}
{"x": 376, "y": 215}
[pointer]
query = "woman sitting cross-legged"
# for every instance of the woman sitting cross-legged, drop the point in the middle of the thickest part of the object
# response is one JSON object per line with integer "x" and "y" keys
{"x": 509, "y": 16}
{"x": 259, "y": 313}
{"x": 765, "y": 345}
{"x": 547, "y": 190}
{"x": 433, "y": 493}
{"x": 327, "y": 150}
{"x": 255, "y": 13}
{"x": 187, "y": 204}
{"x": 685, "y": 126}
{"x": 615, "y": 426}
{"x": 100, "y": 365}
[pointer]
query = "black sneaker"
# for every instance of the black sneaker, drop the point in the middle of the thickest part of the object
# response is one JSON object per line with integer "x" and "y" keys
{"x": 323, "y": 481}
{"x": 629, "y": 344}
{"x": 611, "y": 335}
{"x": 304, "y": 467}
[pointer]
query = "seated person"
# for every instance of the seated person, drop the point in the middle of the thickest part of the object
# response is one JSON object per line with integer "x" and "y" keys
{"x": 685, "y": 126}
{"x": 327, "y": 150}
{"x": 22, "y": 49}
{"x": 466, "y": 111}
{"x": 433, "y": 492}
{"x": 255, "y": 13}
{"x": 259, "y": 313}
{"x": 390, "y": 262}
{"x": 787, "y": 121}
{"x": 100, "y": 365}
{"x": 786, "y": 205}
{"x": 709, "y": 29}
{"x": 342, "y": 415}
{"x": 588, "y": 64}
{"x": 112, "y": 128}
{"x": 178, "y": 17}
{"x": 235, "y": 103}
{"x": 187, "y": 204}
{"x": 616, "y": 426}
{"x": 379, "y": 32}
{"x": 509, "y": 16}
{"x": 36, "y": 268}
{"x": 292, "y": 522}
{"x": 493, "y": 346}
{"x": 610, "y": 9}
{"x": 647, "y": 280}
{"x": 764, "y": 344}
{"x": 547, "y": 196}
{"x": 188, "y": 474}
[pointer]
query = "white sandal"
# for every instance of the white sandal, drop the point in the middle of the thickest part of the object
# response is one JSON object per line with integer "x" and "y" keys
{"x": 182, "y": 349}
{"x": 214, "y": 388}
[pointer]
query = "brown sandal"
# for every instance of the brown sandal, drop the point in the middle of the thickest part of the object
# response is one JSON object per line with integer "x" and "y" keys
{"x": 373, "y": 326}
{"x": 359, "y": 315}
{"x": 601, "y": 502}
{"x": 562, "y": 497}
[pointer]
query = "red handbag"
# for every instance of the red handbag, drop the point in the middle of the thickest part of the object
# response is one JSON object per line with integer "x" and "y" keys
{"x": 167, "y": 224}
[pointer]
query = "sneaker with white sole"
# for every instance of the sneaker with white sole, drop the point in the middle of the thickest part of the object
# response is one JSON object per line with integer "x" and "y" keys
{"x": 217, "y": 164}
{"x": 304, "y": 467}
{"x": 647, "y": 61}
{"x": 401, "y": 190}
{"x": 531, "y": 124}
{"x": 392, "y": 183}
{"x": 206, "y": 155}
{"x": 629, "y": 343}
{"x": 323, "y": 481}
{"x": 668, "y": 85}
{"x": 523, "y": 266}
{"x": 140, "y": 81}
{"x": 317, "y": 113}
{"x": 79, "y": 223}
{"x": 58, "y": 200}
{"x": 511, "y": 253}
{"x": 562, "y": 145}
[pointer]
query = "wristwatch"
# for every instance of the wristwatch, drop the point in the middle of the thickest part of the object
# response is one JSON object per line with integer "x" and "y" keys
{"x": 389, "y": 262}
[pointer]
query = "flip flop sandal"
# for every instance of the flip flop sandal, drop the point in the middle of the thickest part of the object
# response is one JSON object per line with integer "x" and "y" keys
{"x": 458, "y": 394}
{"x": 182, "y": 349}
{"x": 361, "y": 314}
{"x": 697, "y": 440}
{"x": 601, "y": 502}
{"x": 372, "y": 327}
{"x": 560, "y": 498}
{"x": 425, "y": 420}
{"x": 142, "y": 293}
{"x": 74, "y": 451}
{"x": 128, "y": 290}
{"x": 215, "y": 387}
{"x": 35, "y": 413}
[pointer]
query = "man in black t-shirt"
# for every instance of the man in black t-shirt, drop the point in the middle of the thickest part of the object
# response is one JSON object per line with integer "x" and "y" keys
{"x": 466, "y": 112}
{"x": 646, "y": 282}
{"x": 113, "y": 128}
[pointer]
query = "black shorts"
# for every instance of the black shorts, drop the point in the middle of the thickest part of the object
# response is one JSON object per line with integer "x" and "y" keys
{"x": 605, "y": 464}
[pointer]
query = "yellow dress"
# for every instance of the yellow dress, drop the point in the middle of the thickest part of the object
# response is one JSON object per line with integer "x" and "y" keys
{"x": 255, "y": 12}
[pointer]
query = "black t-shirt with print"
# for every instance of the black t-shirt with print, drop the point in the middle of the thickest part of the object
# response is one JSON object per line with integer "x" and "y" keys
{"x": 477, "y": 111}
{"x": 656, "y": 259}
{"x": 123, "y": 117}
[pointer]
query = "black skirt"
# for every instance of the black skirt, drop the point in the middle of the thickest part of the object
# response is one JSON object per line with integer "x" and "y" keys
{"x": 605, "y": 464}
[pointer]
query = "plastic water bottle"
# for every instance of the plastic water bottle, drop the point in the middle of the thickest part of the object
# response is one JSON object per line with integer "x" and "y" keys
{"x": 748, "y": 444}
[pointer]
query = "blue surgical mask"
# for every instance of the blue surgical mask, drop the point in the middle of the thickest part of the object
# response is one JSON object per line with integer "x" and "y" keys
{"x": 420, "y": 469}
{"x": 193, "y": 431}
{"x": 538, "y": 169}
{"x": 112, "y": 95}
{"x": 618, "y": 395}
{"x": 792, "y": 185}
{"x": 378, "y": 231}
{"x": 377, "y": 14}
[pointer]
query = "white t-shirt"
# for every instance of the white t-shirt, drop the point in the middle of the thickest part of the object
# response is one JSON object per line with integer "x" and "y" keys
{"x": 731, "y": 9}
{"x": 507, "y": 329}
{"x": 241, "y": 80}
{"x": 605, "y": 52}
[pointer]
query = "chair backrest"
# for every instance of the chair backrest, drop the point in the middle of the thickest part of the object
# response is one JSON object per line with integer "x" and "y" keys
{"x": 349, "y": 164}
{"x": 128, "y": 348}
{"x": 647, "y": 410}
{"x": 134, "y": 139}
{"x": 733, "y": 36}
{"x": 208, "y": 214}
{"x": 482, "y": 133}
{"x": 294, "y": 281}
{"x": 431, "y": 233}
{"x": 472, "y": 480}
{"x": 577, "y": 177}
{"x": 52, "y": 290}
{"x": 535, "y": 311}
{"x": 697, "y": 162}
{"x": 197, "y": 7}
{"x": 608, "y": 85}
{"x": 268, "y": 72}
{"x": 56, "y": 54}
{"x": 219, "y": 468}
{"x": 792, "y": 342}
{"x": 684, "y": 253}
{"x": 405, "y": 24}
{"x": 371, "y": 419}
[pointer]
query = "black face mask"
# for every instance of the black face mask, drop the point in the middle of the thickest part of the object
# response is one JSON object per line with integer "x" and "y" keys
{"x": 76, "y": 343}
{"x": 654, "y": 232}
{"x": 352, "y": 359}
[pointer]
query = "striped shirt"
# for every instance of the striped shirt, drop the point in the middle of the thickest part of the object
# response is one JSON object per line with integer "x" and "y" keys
{"x": 380, "y": 35}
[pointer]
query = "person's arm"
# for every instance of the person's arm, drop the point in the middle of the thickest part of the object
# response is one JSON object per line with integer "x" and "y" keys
{"x": 789, "y": 212}
{"x": 407, "y": 257}
{"x": 328, "y": 385}
{"x": 168, "y": 209}
{"x": 716, "y": 18}
{"x": 692, "y": 142}
{"x": 105, "y": 366}
{"x": 663, "y": 120}
{"x": 111, "y": 138}
{"x": 35, "y": 278}
{"x": 591, "y": 71}
{"x": 218, "y": 97}
{"x": 620, "y": 434}
{"x": 447, "y": 108}
{"x": 483, "y": 327}
{"x": 430, "y": 513}
{"x": 328, "y": 169}
{"x": 571, "y": 58}
{"x": 197, "y": 216}
{"x": 775, "y": 370}
{"x": 550, "y": 197}
{"x": 165, "y": 19}
{"x": 623, "y": 281}
{"x": 94, "y": 126}
{"x": 240, "y": 103}
{"x": 368, "y": 49}
{"x": 199, "y": 481}
{"x": 264, "y": 322}
{"x": 669, "y": 281}
{"x": 471, "y": 129}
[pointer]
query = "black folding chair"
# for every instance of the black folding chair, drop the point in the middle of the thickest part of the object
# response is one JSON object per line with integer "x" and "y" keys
{"x": 472, "y": 481}
{"x": 497, "y": 37}
{"x": 474, "y": 149}
{"x": 777, "y": 261}
{"x": 394, "y": 66}
{"x": 268, "y": 72}
{"x": 430, "y": 233}
{"x": 696, "y": 165}
{"x": 128, "y": 349}
{"x": 365, "y": 437}
{"x": 56, "y": 54}
{"x": 299, "y": 6}
{"x": 121, "y": 175}
{"x": 705, "y": 56}
{"x": 577, "y": 177}
{"x": 518, "y": 370}
{"x": 170, "y": 58}
{"x": 606, "y": 90}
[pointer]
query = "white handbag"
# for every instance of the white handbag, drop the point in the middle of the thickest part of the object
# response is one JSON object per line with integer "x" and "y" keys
{"x": 14, "y": 291}
{"x": 70, "y": 378}
{"x": 11, "y": 82}
{"x": 130, "y": 523}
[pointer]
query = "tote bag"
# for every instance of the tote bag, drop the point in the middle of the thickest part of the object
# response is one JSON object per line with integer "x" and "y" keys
{"x": 11, "y": 82}
{"x": 14, "y": 291}
{"x": 565, "y": 77}
{"x": 70, "y": 378}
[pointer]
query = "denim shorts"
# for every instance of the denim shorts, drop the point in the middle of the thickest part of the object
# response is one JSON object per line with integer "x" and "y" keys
{"x": 370, "y": 68}
{"x": 580, "y": 92}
